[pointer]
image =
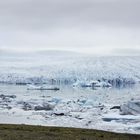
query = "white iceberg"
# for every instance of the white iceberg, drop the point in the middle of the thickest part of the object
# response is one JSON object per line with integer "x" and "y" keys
{"x": 92, "y": 84}
{"x": 82, "y": 84}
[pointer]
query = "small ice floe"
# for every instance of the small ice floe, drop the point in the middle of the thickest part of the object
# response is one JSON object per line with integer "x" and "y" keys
{"x": 44, "y": 106}
{"x": 100, "y": 84}
{"x": 82, "y": 84}
{"x": 92, "y": 84}
{"x": 36, "y": 87}
{"x": 81, "y": 101}
{"x": 55, "y": 100}
{"x": 130, "y": 108}
{"x": 95, "y": 84}
{"x": 7, "y": 96}
{"x": 26, "y": 106}
{"x": 105, "y": 84}
{"x": 121, "y": 119}
{"x": 6, "y": 101}
{"x": 135, "y": 128}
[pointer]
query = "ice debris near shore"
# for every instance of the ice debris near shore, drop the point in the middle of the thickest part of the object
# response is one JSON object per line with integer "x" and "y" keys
{"x": 55, "y": 105}
{"x": 75, "y": 112}
{"x": 6, "y": 100}
{"x": 129, "y": 113}
{"x": 131, "y": 108}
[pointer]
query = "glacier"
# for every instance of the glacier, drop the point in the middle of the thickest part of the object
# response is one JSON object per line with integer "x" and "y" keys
{"x": 57, "y": 68}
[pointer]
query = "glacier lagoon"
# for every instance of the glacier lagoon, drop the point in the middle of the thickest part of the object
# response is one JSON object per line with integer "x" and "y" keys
{"x": 97, "y": 108}
{"x": 69, "y": 107}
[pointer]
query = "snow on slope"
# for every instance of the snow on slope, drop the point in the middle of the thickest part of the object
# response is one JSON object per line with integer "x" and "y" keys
{"x": 61, "y": 65}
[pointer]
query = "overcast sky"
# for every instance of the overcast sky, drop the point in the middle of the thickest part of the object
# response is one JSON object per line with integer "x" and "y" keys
{"x": 91, "y": 26}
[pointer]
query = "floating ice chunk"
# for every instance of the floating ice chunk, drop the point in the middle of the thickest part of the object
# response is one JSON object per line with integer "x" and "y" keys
{"x": 132, "y": 108}
{"x": 82, "y": 84}
{"x": 26, "y": 106}
{"x": 89, "y": 103}
{"x": 92, "y": 84}
{"x": 100, "y": 84}
{"x": 81, "y": 101}
{"x": 55, "y": 100}
{"x": 95, "y": 84}
{"x": 44, "y": 106}
{"x": 120, "y": 118}
{"x": 35, "y": 87}
{"x": 105, "y": 84}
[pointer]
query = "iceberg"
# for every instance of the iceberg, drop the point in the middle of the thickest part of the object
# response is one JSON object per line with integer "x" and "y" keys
{"x": 82, "y": 84}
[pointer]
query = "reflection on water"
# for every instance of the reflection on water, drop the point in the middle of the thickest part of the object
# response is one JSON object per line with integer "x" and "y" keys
{"x": 67, "y": 92}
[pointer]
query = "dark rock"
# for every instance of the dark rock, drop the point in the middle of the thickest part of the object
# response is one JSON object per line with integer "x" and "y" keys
{"x": 59, "y": 114}
{"x": 115, "y": 107}
{"x": 101, "y": 108}
{"x": 9, "y": 107}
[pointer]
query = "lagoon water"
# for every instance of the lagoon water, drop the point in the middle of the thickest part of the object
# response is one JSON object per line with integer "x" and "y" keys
{"x": 69, "y": 92}
{"x": 98, "y": 104}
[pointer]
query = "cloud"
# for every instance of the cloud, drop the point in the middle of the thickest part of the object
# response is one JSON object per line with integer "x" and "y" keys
{"x": 46, "y": 14}
{"x": 85, "y": 24}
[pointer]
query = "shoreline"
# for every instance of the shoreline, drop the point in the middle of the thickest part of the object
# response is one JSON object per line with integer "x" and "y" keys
{"x": 24, "y": 132}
